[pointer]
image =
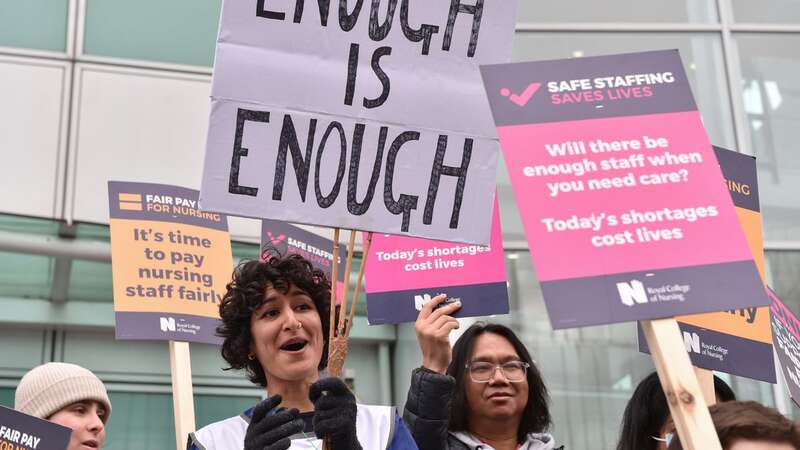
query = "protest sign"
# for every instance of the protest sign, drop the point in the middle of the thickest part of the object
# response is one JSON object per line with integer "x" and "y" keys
{"x": 388, "y": 93}
{"x": 20, "y": 431}
{"x": 405, "y": 273}
{"x": 621, "y": 197}
{"x": 170, "y": 262}
{"x": 738, "y": 341}
{"x": 786, "y": 339}
{"x": 289, "y": 239}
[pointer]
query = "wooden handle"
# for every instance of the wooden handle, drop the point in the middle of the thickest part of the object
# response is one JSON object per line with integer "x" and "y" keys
{"x": 686, "y": 402}
{"x": 182, "y": 395}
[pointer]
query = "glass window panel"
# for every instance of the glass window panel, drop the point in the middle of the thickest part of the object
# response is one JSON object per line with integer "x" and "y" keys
{"x": 25, "y": 276}
{"x": 778, "y": 11}
{"x": 180, "y": 31}
{"x": 783, "y": 271}
{"x": 91, "y": 282}
{"x": 35, "y": 24}
{"x": 213, "y": 408}
{"x": 7, "y": 397}
{"x": 617, "y": 11}
{"x": 701, "y": 54}
{"x": 771, "y": 97}
{"x": 145, "y": 420}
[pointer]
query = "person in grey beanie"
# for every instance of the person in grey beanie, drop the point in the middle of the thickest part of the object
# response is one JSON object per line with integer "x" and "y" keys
{"x": 69, "y": 395}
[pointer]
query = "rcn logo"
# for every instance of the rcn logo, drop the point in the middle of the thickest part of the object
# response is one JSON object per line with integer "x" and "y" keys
{"x": 692, "y": 342}
{"x": 421, "y": 300}
{"x": 632, "y": 293}
{"x": 167, "y": 324}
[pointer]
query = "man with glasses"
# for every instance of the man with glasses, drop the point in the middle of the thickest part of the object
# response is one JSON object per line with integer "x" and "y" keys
{"x": 485, "y": 393}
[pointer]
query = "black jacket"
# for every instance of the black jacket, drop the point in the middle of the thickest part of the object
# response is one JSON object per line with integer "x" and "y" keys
{"x": 427, "y": 414}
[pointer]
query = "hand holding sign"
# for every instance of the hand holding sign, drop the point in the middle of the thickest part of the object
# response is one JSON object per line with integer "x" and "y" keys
{"x": 433, "y": 327}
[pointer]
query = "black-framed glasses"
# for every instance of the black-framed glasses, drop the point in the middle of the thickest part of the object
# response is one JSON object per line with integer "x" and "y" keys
{"x": 483, "y": 371}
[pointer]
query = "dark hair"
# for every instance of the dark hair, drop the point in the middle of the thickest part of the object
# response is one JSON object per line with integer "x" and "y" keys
{"x": 535, "y": 417}
{"x": 245, "y": 294}
{"x": 736, "y": 421}
{"x": 644, "y": 416}
{"x": 723, "y": 392}
{"x": 647, "y": 412}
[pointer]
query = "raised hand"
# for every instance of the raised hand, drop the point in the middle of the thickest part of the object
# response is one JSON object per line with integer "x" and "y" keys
{"x": 433, "y": 328}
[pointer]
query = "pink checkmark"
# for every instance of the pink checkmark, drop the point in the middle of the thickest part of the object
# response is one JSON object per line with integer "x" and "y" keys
{"x": 523, "y": 98}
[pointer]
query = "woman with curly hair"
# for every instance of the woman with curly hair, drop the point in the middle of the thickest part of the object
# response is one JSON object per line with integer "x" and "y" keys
{"x": 274, "y": 328}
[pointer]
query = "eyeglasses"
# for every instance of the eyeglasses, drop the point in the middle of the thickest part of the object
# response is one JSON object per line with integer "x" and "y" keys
{"x": 667, "y": 439}
{"x": 482, "y": 371}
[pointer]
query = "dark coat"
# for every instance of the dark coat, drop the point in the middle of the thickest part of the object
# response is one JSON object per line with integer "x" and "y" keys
{"x": 427, "y": 414}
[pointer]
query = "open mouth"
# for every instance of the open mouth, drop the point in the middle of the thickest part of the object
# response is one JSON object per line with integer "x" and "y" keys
{"x": 294, "y": 345}
{"x": 91, "y": 444}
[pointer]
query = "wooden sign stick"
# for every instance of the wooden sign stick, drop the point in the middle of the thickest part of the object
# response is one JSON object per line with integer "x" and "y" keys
{"x": 705, "y": 378}
{"x": 182, "y": 395}
{"x": 334, "y": 287}
{"x": 348, "y": 271}
{"x": 339, "y": 333}
{"x": 686, "y": 403}
{"x": 338, "y": 343}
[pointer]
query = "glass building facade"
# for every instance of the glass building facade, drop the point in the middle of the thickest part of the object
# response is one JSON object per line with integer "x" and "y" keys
{"x": 110, "y": 89}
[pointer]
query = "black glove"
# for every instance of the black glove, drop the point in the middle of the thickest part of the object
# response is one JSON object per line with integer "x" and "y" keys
{"x": 335, "y": 413}
{"x": 272, "y": 432}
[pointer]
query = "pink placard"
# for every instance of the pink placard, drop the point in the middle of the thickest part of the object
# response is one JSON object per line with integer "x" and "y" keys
{"x": 402, "y": 273}
{"x": 622, "y": 199}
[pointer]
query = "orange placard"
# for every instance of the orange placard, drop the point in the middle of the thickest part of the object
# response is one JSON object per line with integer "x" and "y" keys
{"x": 171, "y": 263}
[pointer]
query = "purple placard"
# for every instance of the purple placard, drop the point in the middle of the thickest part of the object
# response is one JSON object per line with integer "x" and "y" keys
{"x": 786, "y": 340}
{"x": 20, "y": 431}
{"x": 287, "y": 238}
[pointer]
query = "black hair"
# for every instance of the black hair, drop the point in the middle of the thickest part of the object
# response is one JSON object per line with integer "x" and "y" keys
{"x": 536, "y": 416}
{"x": 246, "y": 293}
{"x": 646, "y": 413}
{"x": 723, "y": 391}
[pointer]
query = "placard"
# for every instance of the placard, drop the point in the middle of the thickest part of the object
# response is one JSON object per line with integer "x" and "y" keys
{"x": 289, "y": 239}
{"x": 170, "y": 260}
{"x": 622, "y": 200}
{"x": 366, "y": 116}
{"x": 786, "y": 339}
{"x": 403, "y": 274}
{"x": 20, "y": 431}
{"x": 739, "y": 341}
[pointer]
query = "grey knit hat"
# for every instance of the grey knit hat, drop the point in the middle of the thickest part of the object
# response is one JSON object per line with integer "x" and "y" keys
{"x": 48, "y": 388}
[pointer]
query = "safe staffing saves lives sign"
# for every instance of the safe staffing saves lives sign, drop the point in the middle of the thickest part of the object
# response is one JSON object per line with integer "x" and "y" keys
{"x": 622, "y": 200}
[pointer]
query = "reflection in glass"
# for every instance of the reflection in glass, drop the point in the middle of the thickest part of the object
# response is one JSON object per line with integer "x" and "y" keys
{"x": 771, "y": 97}
{"x": 617, "y": 11}
{"x": 763, "y": 11}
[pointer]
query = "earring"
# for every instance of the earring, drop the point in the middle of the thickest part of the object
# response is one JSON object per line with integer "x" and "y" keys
{"x": 251, "y": 356}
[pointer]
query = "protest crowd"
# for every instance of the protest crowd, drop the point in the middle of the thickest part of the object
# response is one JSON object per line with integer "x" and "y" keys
{"x": 483, "y": 392}
{"x": 628, "y": 213}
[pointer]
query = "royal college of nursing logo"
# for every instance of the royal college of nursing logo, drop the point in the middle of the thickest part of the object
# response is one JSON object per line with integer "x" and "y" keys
{"x": 632, "y": 293}
{"x": 635, "y": 293}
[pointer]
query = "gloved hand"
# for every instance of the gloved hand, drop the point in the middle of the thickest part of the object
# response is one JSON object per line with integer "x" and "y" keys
{"x": 335, "y": 413}
{"x": 272, "y": 432}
